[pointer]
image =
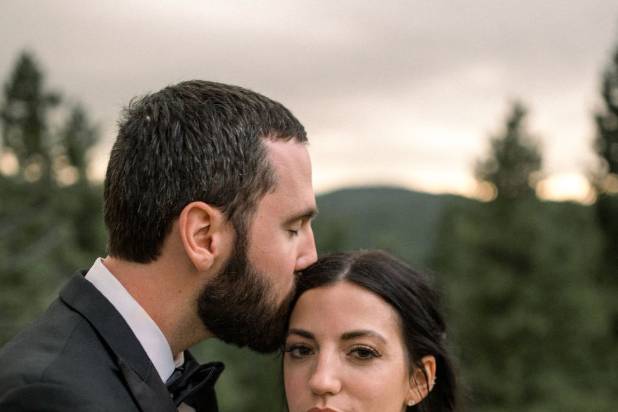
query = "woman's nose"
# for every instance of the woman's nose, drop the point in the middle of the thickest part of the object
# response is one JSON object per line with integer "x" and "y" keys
{"x": 325, "y": 379}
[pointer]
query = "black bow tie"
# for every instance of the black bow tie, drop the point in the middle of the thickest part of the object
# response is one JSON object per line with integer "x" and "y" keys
{"x": 193, "y": 384}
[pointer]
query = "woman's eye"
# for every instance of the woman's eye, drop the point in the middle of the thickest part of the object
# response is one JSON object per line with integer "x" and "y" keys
{"x": 364, "y": 353}
{"x": 299, "y": 351}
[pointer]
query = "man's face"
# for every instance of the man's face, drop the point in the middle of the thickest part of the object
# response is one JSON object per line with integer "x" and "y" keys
{"x": 246, "y": 304}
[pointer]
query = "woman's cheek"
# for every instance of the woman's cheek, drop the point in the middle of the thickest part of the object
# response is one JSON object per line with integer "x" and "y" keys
{"x": 295, "y": 386}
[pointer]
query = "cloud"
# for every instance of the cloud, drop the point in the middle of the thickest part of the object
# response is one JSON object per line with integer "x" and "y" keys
{"x": 423, "y": 80}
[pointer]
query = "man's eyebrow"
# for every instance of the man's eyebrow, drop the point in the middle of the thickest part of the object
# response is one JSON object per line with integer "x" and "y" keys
{"x": 362, "y": 333}
{"x": 307, "y": 214}
{"x": 301, "y": 332}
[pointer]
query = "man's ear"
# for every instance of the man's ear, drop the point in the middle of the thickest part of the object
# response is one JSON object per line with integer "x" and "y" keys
{"x": 203, "y": 231}
{"x": 422, "y": 380}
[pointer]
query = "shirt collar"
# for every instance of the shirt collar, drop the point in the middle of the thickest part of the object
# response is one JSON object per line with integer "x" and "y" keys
{"x": 145, "y": 329}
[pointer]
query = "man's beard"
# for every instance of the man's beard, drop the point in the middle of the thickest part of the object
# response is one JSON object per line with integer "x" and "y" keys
{"x": 238, "y": 306}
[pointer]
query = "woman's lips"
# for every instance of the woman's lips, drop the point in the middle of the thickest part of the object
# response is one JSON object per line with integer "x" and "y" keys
{"x": 316, "y": 409}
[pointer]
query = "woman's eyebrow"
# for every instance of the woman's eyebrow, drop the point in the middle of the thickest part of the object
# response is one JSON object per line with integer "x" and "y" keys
{"x": 301, "y": 332}
{"x": 362, "y": 333}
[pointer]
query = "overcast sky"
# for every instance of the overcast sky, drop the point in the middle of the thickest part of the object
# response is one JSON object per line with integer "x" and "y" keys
{"x": 396, "y": 92}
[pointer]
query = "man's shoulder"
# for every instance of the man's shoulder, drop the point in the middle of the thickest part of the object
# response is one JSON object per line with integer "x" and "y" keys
{"x": 60, "y": 338}
{"x": 60, "y": 350}
{"x": 46, "y": 396}
{"x": 57, "y": 397}
{"x": 47, "y": 340}
{"x": 80, "y": 348}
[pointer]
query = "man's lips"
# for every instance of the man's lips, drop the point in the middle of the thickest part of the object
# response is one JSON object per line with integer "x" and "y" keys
{"x": 316, "y": 409}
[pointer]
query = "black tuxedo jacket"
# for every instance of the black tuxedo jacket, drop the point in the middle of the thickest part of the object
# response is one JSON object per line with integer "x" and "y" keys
{"x": 80, "y": 356}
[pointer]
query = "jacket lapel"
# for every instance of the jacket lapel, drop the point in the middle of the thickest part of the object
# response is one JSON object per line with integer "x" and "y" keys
{"x": 148, "y": 398}
{"x": 139, "y": 373}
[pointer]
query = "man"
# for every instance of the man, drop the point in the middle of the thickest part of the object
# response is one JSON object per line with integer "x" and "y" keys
{"x": 208, "y": 205}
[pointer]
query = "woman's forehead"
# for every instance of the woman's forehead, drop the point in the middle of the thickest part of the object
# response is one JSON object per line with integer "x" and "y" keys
{"x": 342, "y": 307}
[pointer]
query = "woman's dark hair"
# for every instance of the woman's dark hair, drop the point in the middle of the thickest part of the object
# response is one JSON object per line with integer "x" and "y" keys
{"x": 414, "y": 300}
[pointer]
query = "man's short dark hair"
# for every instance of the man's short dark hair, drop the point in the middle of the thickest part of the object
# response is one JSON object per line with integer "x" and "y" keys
{"x": 195, "y": 141}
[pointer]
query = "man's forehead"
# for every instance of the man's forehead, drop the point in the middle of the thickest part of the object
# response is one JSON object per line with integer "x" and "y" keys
{"x": 286, "y": 153}
{"x": 292, "y": 166}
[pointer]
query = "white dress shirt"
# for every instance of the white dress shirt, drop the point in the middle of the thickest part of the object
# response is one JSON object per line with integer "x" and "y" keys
{"x": 145, "y": 329}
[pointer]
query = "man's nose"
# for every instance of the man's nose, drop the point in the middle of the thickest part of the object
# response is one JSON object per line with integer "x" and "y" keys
{"x": 307, "y": 252}
{"x": 325, "y": 379}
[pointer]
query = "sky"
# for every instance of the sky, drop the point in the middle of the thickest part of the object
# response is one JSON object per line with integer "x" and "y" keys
{"x": 403, "y": 93}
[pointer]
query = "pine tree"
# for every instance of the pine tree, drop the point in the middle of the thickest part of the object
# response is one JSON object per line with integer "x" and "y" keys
{"x": 24, "y": 115}
{"x": 77, "y": 137}
{"x": 605, "y": 181}
{"x": 522, "y": 302}
{"x": 513, "y": 159}
{"x": 47, "y": 229}
{"x": 606, "y": 178}
{"x": 607, "y": 131}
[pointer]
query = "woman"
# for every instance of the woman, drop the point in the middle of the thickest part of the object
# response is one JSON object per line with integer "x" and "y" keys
{"x": 365, "y": 335}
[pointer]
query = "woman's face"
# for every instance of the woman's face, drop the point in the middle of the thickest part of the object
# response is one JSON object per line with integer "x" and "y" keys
{"x": 345, "y": 352}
